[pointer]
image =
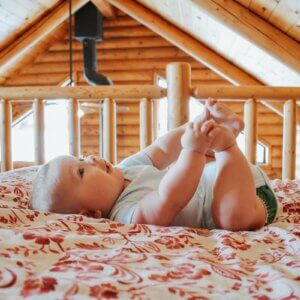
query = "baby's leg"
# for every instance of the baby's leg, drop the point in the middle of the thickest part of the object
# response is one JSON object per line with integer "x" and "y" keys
{"x": 235, "y": 205}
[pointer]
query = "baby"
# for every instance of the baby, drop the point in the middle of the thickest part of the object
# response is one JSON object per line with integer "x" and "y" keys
{"x": 169, "y": 183}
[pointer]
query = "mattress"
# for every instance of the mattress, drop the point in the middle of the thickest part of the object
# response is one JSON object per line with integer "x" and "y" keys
{"x": 56, "y": 256}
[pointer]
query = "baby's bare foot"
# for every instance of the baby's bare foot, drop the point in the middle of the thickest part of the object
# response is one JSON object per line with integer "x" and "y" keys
{"x": 224, "y": 140}
{"x": 224, "y": 116}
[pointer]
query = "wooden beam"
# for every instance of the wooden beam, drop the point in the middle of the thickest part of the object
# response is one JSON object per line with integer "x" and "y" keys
{"x": 13, "y": 56}
{"x": 246, "y": 92}
{"x": 289, "y": 140}
{"x": 83, "y": 92}
{"x": 185, "y": 42}
{"x": 253, "y": 28}
{"x": 106, "y": 9}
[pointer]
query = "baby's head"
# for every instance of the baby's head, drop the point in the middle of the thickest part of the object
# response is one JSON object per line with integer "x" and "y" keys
{"x": 67, "y": 184}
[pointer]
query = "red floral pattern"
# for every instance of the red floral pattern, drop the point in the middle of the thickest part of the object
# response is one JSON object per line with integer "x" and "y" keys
{"x": 72, "y": 256}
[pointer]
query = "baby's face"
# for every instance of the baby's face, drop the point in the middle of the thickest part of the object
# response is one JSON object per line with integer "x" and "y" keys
{"x": 91, "y": 183}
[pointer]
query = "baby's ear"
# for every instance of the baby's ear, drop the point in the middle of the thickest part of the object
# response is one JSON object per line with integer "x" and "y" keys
{"x": 93, "y": 214}
{"x": 98, "y": 214}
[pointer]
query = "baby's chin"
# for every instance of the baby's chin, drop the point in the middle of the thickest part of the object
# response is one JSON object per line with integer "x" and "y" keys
{"x": 119, "y": 173}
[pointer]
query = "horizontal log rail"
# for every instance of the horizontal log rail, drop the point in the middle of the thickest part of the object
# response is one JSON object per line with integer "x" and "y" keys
{"x": 179, "y": 91}
{"x": 83, "y": 92}
{"x": 246, "y": 92}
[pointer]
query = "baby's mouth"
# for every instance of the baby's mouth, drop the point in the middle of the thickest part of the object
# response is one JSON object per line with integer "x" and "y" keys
{"x": 107, "y": 166}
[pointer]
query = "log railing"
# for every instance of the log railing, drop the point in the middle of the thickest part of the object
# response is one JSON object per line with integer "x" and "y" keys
{"x": 178, "y": 92}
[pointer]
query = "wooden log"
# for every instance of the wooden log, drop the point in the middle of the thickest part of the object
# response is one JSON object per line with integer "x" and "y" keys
{"x": 270, "y": 129}
{"x": 112, "y": 54}
{"x": 128, "y": 140}
{"x": 128, "y": 130}
{"x": 146, "y": 123}
{"x": 36, "y": 79}
{"x": 250, "y": 119}
{"x": 141, "y": 75}
{"x": 273, "y": 140}
{"x": 74, "y": 128}
{"x": 179, "y": 85}
{"x": 105, "y": 8}
{"x": 115, "y": 65}
{"x": 246, "y": 92}
{"x": 122, "y": 151}
{"x": 199, "y": 74}
{"x": 93, "y": 93}
{"x": 135, "y": 31}
{"x": 289, "y": 140}
{"x": 109, "y": 130}
{"x": 268, "y": 119}
{"x": 124, "y": 21}
{"x": 39, "y": 130}
{"x": 127, "y": 151}
{"x": 116, "y": 43}
{"x": 276, "y": 152}
{"x": 210, "y": 82}
{"x": 5, "y": 134}
{"x": 155, "y": 120}
{"x": 277, "y": 163}
{"x": 121, "y": 120}
{"x": 56, "y": 78}
{"x": 128, "y": 120}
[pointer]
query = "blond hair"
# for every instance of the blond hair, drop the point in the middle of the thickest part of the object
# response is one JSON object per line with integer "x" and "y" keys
{"x": 40, "y": 197}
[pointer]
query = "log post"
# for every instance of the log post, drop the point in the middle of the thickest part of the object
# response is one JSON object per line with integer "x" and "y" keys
{"x": 250, "y": 119}
{"x": 179, "y": 87}
{"x": 39, "y": 130}
{"x": 101, "y": 137}
{"x": 146, "y": 123}
{"x": 74, "y": 127}
{"x": 155, "y": 120}
{"x": 6, "y": 148}
{"x": 109, "y": 131}
{"x": 289, "y": 139}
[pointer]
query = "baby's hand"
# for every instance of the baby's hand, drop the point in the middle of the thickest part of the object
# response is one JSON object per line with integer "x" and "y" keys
{"x": 198, "y": 136}
{"x": 223, "y": 140}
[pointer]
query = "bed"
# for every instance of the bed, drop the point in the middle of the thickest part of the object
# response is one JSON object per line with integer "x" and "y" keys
{"x": 55, "y": 256}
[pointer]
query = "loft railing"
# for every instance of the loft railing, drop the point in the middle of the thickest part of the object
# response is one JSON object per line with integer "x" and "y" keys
{"x": 179, "y": 91}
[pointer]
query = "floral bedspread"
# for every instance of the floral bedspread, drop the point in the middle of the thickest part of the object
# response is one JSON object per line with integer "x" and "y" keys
{"x": 53, "y": 256}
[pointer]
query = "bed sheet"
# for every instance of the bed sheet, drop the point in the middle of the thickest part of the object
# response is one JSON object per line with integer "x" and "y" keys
{"x": 55, "y": 256}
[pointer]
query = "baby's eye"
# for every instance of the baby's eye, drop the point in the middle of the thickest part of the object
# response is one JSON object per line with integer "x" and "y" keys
{"x": 81, "y": 172}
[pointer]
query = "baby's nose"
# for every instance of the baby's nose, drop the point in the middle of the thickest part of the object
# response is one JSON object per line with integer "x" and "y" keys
{"x": 92, "y": 159}
{"x": 96, "y": 160}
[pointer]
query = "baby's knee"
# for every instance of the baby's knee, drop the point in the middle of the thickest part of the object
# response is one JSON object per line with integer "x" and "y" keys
{"x": 234, "y": 216}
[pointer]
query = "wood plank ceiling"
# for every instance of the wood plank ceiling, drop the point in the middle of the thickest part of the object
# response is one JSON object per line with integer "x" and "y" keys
{"x": 197, "y": 17}
{"x": 18, "y": 15}
{"x": 211, "y": 22}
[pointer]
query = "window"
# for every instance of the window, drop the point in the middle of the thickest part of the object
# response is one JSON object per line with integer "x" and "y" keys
{"x": 196, "y": 108}
{"x": 56, "y": 132}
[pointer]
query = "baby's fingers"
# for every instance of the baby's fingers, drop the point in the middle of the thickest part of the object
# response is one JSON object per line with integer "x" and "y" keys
{"x": 207, "y": 127}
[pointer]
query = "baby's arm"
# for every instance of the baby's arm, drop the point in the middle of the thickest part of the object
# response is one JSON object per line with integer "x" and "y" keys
{"x": 166, "y": 149}
{"x": 180, "y": 182}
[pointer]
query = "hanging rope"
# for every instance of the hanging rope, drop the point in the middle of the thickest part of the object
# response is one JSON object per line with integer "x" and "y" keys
{"x": 70, "y": 44}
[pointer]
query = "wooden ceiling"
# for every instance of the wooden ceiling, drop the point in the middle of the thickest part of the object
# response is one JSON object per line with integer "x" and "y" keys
{"x": 18, "y": 15}
{"x": 240, "y": 36}
{"x": 261, "y": 37}
{"x": 283, "y": 14}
